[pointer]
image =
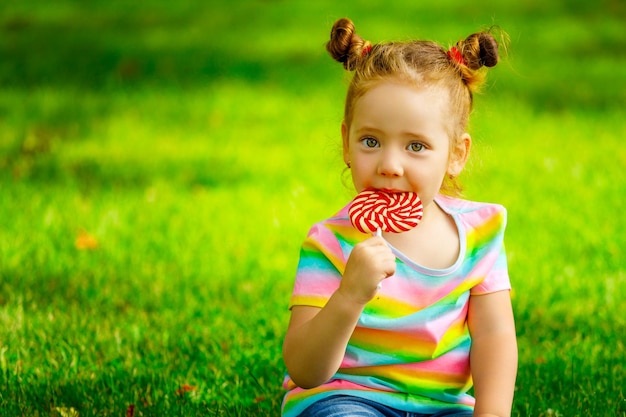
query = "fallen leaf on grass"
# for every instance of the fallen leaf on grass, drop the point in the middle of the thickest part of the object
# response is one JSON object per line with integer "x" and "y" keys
{"x": 184, "y": 389}
{"x": 130, "y": 411}
{"x": 85, "y": 241}
{"x": 64, "y": 412}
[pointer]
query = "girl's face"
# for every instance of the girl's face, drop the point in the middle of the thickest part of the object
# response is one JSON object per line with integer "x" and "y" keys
{"x": 397, "y": 141}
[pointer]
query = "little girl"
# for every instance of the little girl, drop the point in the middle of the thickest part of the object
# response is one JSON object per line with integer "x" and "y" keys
{"x": 405, "y": 324}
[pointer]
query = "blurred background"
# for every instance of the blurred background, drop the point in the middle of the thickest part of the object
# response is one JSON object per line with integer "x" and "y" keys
{"x": 161, "y": 163}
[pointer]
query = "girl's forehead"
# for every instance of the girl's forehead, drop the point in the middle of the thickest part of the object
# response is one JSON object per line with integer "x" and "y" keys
{"x": 395, "y": 95}
{"x": 397, "y": 109}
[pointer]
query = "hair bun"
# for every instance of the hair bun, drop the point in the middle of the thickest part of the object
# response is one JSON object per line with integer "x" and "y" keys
{"x": 488, "y": 50}
{"x": 345, "y": 45}
{"x": 471, "y": 54}
{"x": 479, "y": 50}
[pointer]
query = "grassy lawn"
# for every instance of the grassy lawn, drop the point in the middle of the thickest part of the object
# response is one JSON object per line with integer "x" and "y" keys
{"x": 160, "y": 165}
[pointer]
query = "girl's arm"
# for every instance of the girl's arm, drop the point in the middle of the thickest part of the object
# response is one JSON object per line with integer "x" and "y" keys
{"x": 316, "y": 338}
{"x": 493, "y": 353}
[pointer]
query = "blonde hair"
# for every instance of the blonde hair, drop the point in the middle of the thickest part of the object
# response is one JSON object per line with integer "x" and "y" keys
{"x": 418, "y": 63}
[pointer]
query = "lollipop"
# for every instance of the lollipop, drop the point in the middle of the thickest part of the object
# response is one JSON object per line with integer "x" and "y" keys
{"x": 374, "y": 211}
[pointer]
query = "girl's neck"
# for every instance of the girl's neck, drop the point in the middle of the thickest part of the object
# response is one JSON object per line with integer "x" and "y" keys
{"x": 434, "y": 243}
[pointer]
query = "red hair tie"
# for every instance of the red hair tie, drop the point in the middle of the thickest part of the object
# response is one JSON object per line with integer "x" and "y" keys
{"x": 366, "y": 50}
{"x": 456, "y": 56}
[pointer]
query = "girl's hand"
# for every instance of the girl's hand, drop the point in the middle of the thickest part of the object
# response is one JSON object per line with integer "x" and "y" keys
{"x": 369, "y": 263}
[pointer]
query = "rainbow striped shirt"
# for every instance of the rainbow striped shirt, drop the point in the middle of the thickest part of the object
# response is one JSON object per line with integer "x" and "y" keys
{"x": 410, "y": 348}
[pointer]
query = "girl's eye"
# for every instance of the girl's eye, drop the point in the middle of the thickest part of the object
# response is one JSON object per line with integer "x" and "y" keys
{"x": 370, "y": 142}
{"x": 416, "y": 147}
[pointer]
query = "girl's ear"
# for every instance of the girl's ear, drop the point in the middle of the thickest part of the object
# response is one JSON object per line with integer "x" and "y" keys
{"x": 459, "y": 155}
{"x": 346, "y": 149}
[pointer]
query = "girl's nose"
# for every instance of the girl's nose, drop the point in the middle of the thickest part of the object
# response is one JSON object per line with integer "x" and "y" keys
{"x": 390, "y": 165}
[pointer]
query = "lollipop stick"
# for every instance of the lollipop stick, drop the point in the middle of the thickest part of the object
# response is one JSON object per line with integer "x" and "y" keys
{"x": 379, "y": 233}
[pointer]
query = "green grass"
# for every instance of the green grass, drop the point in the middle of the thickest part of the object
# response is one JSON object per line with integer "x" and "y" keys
{"x": 197, "y": 143}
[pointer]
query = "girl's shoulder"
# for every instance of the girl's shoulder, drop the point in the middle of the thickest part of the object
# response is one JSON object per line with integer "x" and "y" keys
{"x": 337, "y": 227}
{"x": 454, "y": 205}
{"x": 339, "y": 219}
{"x": 473, "y": 213}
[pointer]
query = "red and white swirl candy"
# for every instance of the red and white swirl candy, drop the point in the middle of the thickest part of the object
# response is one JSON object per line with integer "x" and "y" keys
{"x": 374, "y": 210}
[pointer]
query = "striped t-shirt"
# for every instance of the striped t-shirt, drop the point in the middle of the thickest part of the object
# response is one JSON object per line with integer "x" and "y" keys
{"x": 410, "y": 348}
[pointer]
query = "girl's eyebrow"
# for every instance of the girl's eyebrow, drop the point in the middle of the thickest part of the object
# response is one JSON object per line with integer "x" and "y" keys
{"x": 368, "y": 129}
{"x": 412, "y": 135}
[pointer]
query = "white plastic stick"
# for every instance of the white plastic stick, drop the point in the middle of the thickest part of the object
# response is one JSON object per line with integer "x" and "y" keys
{"x": 379, "y": 233}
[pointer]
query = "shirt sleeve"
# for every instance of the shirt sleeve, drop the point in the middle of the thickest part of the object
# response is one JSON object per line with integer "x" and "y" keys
{"x": 321, "y": 265}
{"x": 496, "y": 274}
